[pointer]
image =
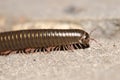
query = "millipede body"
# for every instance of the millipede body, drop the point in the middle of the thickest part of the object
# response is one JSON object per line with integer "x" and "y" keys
{"x": 43, "y": 40}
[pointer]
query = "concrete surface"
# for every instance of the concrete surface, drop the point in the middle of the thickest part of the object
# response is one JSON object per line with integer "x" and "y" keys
{"x": 57, "y": 9}
{"x": 95, "y": 63}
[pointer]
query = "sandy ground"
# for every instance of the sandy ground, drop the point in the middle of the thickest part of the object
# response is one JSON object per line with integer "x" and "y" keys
{"x": 95, "y": 63}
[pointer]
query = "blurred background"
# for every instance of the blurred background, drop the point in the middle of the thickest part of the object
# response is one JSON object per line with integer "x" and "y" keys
{"x": 60, "y": 9}
{"x": 21, "y": 14}
{"x": 95, "y": 63}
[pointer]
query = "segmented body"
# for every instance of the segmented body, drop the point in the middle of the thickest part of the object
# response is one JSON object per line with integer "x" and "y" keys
{"x": 43, "y": 39}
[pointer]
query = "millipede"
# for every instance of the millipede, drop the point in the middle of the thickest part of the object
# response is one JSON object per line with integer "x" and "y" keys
{"x": 44, "y": 40}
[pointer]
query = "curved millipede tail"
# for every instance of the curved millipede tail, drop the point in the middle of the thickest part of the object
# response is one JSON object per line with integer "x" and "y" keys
{"x": 27, "y": 41}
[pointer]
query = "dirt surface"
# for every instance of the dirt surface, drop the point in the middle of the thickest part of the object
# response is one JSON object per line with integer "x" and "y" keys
{"x": 95, "y": 63}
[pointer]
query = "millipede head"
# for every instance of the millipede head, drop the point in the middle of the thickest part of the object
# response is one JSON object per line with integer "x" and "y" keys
{"x": 84, "y": 40}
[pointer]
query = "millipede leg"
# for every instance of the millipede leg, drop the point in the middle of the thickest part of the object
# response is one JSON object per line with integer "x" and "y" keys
{"x": 76, "y": 47}
{"x": 28, "y": 50}
{"x": 32, "y": 50}
{"x": 56, "y": 48}
{"x": 66, "y": 47}
{"x": 80, "y": 46}
{"x": 48, "y": 49}
{"x": 24, "y": 51}
{"x": 38, "y": 50}
{"x": 35, "y": 50}
{"x": 52, "y": 49}
{"x": 63, "y": 48}
{"x": 44, "y": 50}
{"x": 5, "y": 52}
{"x": 70, "y": 47}
{"x": 20, "y": 51}
{"x": 17, "y": 51}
